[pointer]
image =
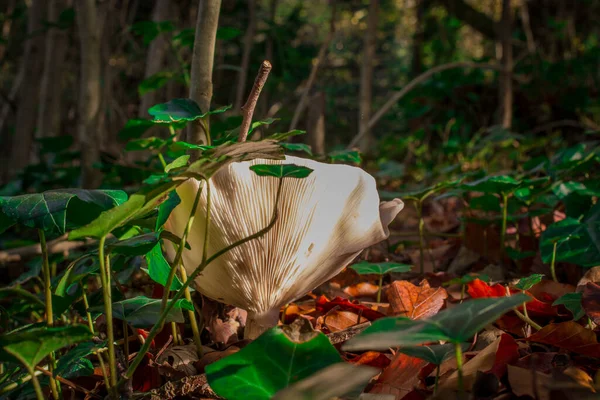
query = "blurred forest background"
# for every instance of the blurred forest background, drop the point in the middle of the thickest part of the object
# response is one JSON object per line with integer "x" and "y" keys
{"x": 415, "y": 85}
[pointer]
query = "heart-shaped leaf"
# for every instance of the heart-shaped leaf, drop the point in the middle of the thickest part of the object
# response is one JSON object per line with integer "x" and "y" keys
{"x": 493, "y": 184}
{"x": 435, "y": 354}
{"x": 165, "y": 209}
{"x": 572, "y": 302}
{"x": 55, "y": 211}
{"x": 281, "y": 170}
{"x": 271, "y": 363}
{"x": 177, "y": 163}
{"x": 456, "y": 325}
{"x": 530, "y": 281}
{"x": 74, "y": 363}
{"x": 142, "y": 312}
{"x": 365, "y": 267}
{"x": 181, "y": 110}
{"x": 159, "y": 268}
{"x": 31, "y": 346}
{"x": 135, "y": 246}
{"x": 297, "y": 147}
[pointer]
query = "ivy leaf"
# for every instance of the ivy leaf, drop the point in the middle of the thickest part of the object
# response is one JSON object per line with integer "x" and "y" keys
{"x": 143, "y": 312}
{"x": 270, "y": 363}
{"x": 135, "y": 246}
{"x": 281, "y": 170}
{"x": 165, "y": 209}
{"x": 31, "y": 346}
{"x": 365, "y": 267}
{"x": 493, "y": 184}
{"x": 278, "y": 137}
{"x": 572, "y": 302}
{"x": 529, "y": 282}
{"x": 455, "y": 325}
{"x": 297, "y": 147}
{"x": 181, "y": 110}
{"x": 159, "y": 268}
{"x": 177, "y": 163}
{"x": 138, "y": 205}
{"x": 55, "y": 211}
{"x": 73, "y": 364}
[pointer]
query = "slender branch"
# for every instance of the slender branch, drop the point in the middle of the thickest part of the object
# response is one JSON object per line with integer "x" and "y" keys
{"x": 410, "y": 86}
{"x": 70, "y": 384}
{"x": 248, "y": 108}
{"x": 313, "y": 72}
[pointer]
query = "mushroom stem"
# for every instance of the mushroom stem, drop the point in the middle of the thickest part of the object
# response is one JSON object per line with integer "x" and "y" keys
{"x": 256, "y": 323}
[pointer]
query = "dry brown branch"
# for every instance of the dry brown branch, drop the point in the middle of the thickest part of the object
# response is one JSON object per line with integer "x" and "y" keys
{"x": 348, "y": 333}
{"x": 59, "y": 245}
{"x": 248, "y": 108}
{"x": 70, "y": 384}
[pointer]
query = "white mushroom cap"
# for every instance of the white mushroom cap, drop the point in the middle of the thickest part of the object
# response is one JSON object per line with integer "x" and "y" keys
{"x": 324, "y": 222}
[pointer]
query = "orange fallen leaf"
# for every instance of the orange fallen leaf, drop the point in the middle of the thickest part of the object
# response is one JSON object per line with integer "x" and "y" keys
{"x": 522, "y": 383}
{"x": 400, "y": 377}
{"x": 415, "y": 302}
{"x": 372, "y": 358}
{"x": 363, "y": 289}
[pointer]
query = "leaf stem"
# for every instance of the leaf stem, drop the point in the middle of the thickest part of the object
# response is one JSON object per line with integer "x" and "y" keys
{"x": 36, "y": 383}
{"x": 107, "y": 297}
{"x": 155, "y": 329}
{"x": 553, "y": 262}
{"x": 380, "y": 286}
{"x": 126, "y": 342}
{"x": 86, "y": 304}
{"x": 459, "y": 365}
{"x": 162, "y": 160}
{"x": 192, "y": 315}
{"x": 49, "y": 313}
{"x": 419, "y": 206}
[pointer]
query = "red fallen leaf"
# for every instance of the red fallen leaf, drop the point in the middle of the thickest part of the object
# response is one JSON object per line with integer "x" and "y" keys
{"x": 323, "y": 305}
{"x": 590, "y": 301}
{"x": 371, "y": 358}
{"x": 337, "y": 320}
{"x": 415, "y": 302}
{"x": 507, "y": 353}
{"x": 536, "y": 308}
{"x": 401, "y": 377}
{"x": 570, "y": 336}
{"x": 145, "y": 377}
{"x": 144, "y": 333}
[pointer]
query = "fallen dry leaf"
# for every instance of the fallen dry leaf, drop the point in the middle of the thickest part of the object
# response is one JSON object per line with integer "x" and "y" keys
{"x": 363, "y": 289}
{"x": 209, "y": 356}
{"x": 323, "y": 305}
{"x": 548, "y": 287}
{"x": 400, "y": 377}
{"x": 570, "y": 336}
{"x": 178, "y": 361}
{"x": 415, "y": 302}
{"x": 338, "y": 320}
{"x": 581, "y": 377}
{"x": 524, "y": 383}
{"x": 592, "y": 275}
{"x": 590, "y": 301}
{"x": 372, "y": 358}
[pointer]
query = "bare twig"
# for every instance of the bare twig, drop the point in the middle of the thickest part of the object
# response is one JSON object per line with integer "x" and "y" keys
{"x": 248, "y": 108}
{"x": 58, "y": 245}
{"x": 410, "y": 86}
{"x": 348, "y": 333}
{"x": 313, "y": 72}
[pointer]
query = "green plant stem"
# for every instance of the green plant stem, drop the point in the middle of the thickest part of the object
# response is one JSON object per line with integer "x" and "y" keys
{"x": 86, "y": 304}
{"x": 553, "y": 262}
{"x": 49, "y": 314}
{"x": 527, "y": 320}
{"x": 419, "y": 206}
{"x": 15, "y": 384}
{"x": 107, "y": 297}
{"x": 175, "y": 334}
{"x": 103, "y": 367}
{"x": 192, "y": 315}
{"x": 459, "y": 365}
{"x": 162, "y": 160}
{"x": 126, "y": 342}
{"x": 36, "y": 383}
{"x": 504, "y": 222}
{"x": 155, "y": 329}
{"x": 178, "y": 256}
{"x": 380, "y": 286}
{"x": 437, "y": 378}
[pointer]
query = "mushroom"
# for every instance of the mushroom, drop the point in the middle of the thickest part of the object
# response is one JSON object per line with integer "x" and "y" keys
{"x": 324, "y": 221}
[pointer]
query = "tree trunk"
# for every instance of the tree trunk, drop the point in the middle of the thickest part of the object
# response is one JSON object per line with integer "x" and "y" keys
{"x": 247, "y": 51}
{"x": 89, "y": 100}
{"x": 29, "y": 94}
{"x": 315, "y": 132}
{"x": 416, "y": 66}
{"x": 472, "y": 17}
{"x": 505, "y": 82}
{"x": 366, "y": 77}
{"x": 202, "y": 65}
{"x": 49, "y": 112}
{"x": 157, "y": 54}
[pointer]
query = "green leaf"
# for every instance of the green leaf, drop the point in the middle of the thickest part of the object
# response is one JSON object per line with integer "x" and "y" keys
{"x": 55, "y": 211}
{"x": 365, "y": 267}
{"x": 55, "y": 144}
{"x": 330, "y": 383}
{"x": 487, "y": 202}
{"x": 577, "y": 242}
{"x": 31, "y": 346}
{"x": 75, "y": 272}
{"x": 165, "y": 209}
{"x": 227, "y": 33}
{"x": 149, "y": 30}
{"x": 73, "y": 364}
{"x": 138, "y": 205}
{"x": 177, "y": 163}
{"x": 518, "y": 255}
{"x": 155, "y": 82}
{"x": 493, "y": 184}
{"x": 457, "y": 324}
{"x": 529, "y": 282}
{"x": 435, "y": 354}
{"x": 297, "y": 147}
{"x": 159, "y": 268}
{"x": 572, "y": 302}
{"x": 285, "y": 135}
{"x": 134, "y": 128}
{"x": 181, "y": 110}
{"x": 466, "y": 279}
{"x": 270, "y": 363}
{"x": 149, "y": 143}
{"x": 419, "y": 194}
{"x": 135, "y": 246}
{"x": 281, "y": 170}
{"x": 345, "y": 156}
{"x": 143, "y": 312}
